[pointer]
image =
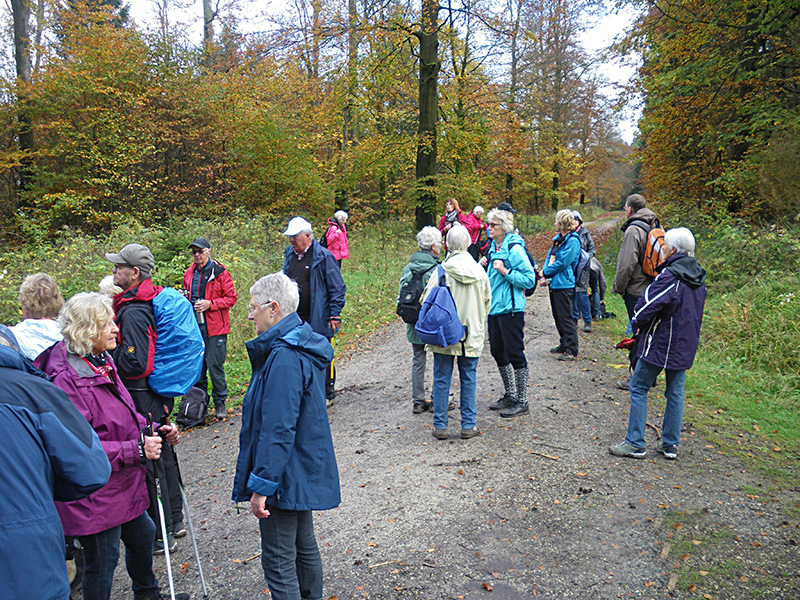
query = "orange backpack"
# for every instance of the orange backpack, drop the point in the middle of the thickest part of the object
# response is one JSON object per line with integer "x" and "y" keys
{"x": 653, "y": 254}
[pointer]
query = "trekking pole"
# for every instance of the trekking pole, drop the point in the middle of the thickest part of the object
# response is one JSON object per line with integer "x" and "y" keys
{"x": 164, "y": 537}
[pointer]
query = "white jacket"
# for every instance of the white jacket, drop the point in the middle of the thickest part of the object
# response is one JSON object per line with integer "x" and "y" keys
{"x": 36, "y": 335}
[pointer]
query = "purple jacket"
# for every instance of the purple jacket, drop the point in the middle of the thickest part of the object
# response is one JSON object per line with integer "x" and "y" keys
{"x": 109, "y": 409}
{"x": 669, "y": 314}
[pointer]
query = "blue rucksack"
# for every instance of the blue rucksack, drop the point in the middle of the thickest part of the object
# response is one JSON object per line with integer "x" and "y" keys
{"x": 438, "y": 323}
{"x": 179, "y": 351}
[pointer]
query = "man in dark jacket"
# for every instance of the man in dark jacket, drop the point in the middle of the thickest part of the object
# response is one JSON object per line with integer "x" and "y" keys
{"x": 134, "y": 355}
{"x": 211, "y": 292}
{"x": 322, "y": 288}
{"x": 668, "y": 316}
{"x": 286, "y": 466}
{"x": 55, "y": 455}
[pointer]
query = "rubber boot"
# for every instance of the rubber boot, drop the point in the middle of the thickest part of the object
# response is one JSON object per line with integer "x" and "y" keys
{"x": 509, "y": 398}
{"x": 520, "y": 407}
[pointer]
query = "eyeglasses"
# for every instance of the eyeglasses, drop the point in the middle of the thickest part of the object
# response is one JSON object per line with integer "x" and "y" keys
{"x": 253, "y": 309}
{"x": 200, "y": 251}
{"x": 493, "y": 224}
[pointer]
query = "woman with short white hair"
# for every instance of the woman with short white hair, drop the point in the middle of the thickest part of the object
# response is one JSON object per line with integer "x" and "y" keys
{"x": 475, "y": 225}
{"x": 336, "y": 237}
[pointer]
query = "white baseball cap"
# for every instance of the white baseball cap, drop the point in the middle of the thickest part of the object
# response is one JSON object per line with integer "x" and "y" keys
{"x": 296, "y": 225}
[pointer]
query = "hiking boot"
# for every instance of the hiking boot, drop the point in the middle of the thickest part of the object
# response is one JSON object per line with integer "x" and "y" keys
{"x": 504, "y": 402}
{"x": 587, "y": 327}
{"x": 158, "y": 547}
{"x": 220, "y": 411}
{"x": 420, "y": 406}
{"x": 567, "y": 357}
{"x": 669, "y": 452}
{"x": 517, "y": 409}
{"x": 557, "y": 350}
{"x": 180, "y": 531}
{"x": 163, "y": 596}
{"x": 624, "y": 384}
{"x": 625, "y": 449}
{"x": 329, "y": 402}
{"x": 440, "y": 434}
{"x": 451, "y": 406}
{"x": 468, "y": 434}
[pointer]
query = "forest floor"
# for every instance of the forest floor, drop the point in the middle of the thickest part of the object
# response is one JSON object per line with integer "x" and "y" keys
{"x": 534, "y": 507}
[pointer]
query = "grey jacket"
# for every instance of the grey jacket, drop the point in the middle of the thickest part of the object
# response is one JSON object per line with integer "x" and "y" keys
{"x": 630, "y": 278}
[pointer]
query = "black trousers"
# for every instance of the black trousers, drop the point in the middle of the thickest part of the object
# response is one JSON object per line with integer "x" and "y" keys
{"x": 561, "y": 304}
{"x": 506, "y": 339}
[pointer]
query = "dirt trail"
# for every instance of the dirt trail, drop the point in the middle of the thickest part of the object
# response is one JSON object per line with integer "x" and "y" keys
{"x": 534, "y": 507}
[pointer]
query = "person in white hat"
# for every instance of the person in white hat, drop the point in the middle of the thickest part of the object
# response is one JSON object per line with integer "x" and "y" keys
{"x": 322, "y": 289}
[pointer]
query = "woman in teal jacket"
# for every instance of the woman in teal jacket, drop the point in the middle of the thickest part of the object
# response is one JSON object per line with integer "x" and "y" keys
{"x": 510, "y": 274}
{"x": 559, "y": 269}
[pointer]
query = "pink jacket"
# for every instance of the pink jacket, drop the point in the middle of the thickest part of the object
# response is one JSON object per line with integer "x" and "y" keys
{"x": 337, "y": 240}
{"x": 474, "y": 226}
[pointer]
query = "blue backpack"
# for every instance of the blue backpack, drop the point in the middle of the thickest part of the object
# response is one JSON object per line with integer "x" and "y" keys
{"x": 438, "y": 323}
{"x": 179, "y": 351}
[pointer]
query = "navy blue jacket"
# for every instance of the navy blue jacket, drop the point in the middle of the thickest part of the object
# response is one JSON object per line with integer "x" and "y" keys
{"x": 669, "y": 314}
{"x": 285, "y": 445}
{"x": 327, "y": 287}
{"x": 51, "y": 453}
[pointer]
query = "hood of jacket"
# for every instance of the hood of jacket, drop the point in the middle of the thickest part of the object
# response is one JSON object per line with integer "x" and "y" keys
{"x": 422, "y": 262}
{"x": 144, "y": 292}
{"x": 290, "y": 331}
{"x": 686, "y": 269}
{"x": 462, "y": 267}
{"x": 643, "y": 214}
{"x": 11, "y": 359}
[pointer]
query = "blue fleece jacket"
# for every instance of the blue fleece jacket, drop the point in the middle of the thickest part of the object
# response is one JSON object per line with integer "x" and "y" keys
{"x": 562, "y": 258}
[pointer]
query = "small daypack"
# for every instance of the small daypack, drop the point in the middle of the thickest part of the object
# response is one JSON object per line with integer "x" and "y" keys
{"x": 193, "y": 408}
{"x": 438, "y": 322}
{"x": 653, "y": 254}
{"x": 179, "y": 349}
{"x": 532, "y": 261}
{"x": 323, "y": 240}
{"x": 408, "y": 305}
{"x": 582, "y": 269}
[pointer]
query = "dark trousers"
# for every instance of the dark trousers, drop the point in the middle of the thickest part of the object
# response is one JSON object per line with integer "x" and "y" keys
{"x": 630, "y": 303}
{"x": 166, "y": 468}
{"x": 214, "y": 365}
{"x": 561, "y": 302}
{"x": 101, "y": 555}
{"x": 507, "y": 339}
{"x": 290, "y": 556}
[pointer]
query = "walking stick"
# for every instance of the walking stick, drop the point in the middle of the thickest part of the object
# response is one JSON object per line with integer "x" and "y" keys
{"x": 164, "y": 537}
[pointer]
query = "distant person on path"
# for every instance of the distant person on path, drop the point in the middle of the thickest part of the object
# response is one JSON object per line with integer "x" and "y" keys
{"x": 209, "y": 287}
{"x": 40, "y": 300}
{"x": 322, "y": 289}
{"x": 422, "y": 264}
{"x": 82, "y": 366}
{"x": 475, "y": 225}
{"x": 336, "y": 237}
{"x": 510, "y": 274}
{"x": 559, "y": 270}
{"x": 469, "y": 285}
{"x": 668, "y": 316}
{"x": 286, "y": 466}
{"x": 133, "y": 357}
{"x": 581, "y": 306}
{"x": 53, "y": 454}
{"x": 630, "y": 280}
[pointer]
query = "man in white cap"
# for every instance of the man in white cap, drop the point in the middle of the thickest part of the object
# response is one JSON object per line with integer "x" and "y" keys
{"x": 322, "y": 290}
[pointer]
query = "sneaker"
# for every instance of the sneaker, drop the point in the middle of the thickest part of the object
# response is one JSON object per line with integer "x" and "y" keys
{"x": 557, "y": 350}
{"x": 587, "y": 327}
{"x": 517, "y": 409}
{"x": 504, "y": 402}
{"x": 440, "y": 434}
{"x": 158, "y": 547}
{"x": 451, "y": 406}
{"x": 468, "y": 434}
{"x": 625, "y": 449}
{"x": 567, "y": 356}
{"x": 669, "y": 452}
{"x": 180, "y": 531}
{"x": 420, "y": 406}
{"x": 220, "y": 411}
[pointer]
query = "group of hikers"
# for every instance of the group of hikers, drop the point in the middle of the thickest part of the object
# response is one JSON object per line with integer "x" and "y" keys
{"x": 94, "y": 441}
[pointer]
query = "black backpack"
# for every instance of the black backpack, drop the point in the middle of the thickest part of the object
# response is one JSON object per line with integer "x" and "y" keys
{"x": 408, "y": 301}
{"x": 193, "y": 409}
{"x": 529, "y": 291}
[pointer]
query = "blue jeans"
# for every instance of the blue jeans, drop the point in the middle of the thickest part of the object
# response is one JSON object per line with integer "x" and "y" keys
{"x": 101, "y": 554}
{"x": 442, "y": 373}
{"x": 290, "y": 556}
{"x": 581, "y": 307}
{"x": 644, "y": 376}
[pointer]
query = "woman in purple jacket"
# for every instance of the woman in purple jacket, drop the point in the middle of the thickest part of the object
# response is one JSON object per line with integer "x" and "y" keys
{"x": 81, "y": 366}
{"x": 668, "y": 316}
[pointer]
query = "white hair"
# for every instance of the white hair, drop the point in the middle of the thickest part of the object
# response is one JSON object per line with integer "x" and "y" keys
{"x": 108, "y": 287}
{"x": 504, "y": 217}
{"x": 427, "y": 237}
{"x": 478, "y": 209}
{"x": 83, "y": 320}
{"x": 341, "y": 216}
{"x": 277, "y": 287}
{"x": 458, "y": 238}
{"x": 681, "y": 239}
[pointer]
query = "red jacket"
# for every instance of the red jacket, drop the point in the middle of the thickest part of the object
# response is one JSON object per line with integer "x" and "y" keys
{"x": 219, "y": 290}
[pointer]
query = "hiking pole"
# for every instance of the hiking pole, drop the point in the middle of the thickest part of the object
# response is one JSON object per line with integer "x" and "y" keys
{"x": 164, "y": 537}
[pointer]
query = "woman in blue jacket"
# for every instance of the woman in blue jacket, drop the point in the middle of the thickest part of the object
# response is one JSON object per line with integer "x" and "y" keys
{"x": 286, "y": 466}
{"x": 559, "y": 269}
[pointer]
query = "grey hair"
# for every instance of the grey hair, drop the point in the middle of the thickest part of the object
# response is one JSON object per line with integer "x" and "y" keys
{"x": 504, "y": 217}
{"x": 427, "y": 237}
{"x": 458, "y": 238}
{"x": 478, "y": 209}
{"x": 636, "y": 202}
{"x": 83, "y": 319}
{"x": 681, "y": 239}
{"x": 341, "y": 216}
{"x": 277, "y": 287}
{"x": 108, "y": 287}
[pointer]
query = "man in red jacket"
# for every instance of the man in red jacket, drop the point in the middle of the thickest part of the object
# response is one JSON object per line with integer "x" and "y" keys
{"x": 210, "y": 289}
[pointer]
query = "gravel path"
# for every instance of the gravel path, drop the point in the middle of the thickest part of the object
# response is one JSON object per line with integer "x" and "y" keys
{"x": 534, "y": 507}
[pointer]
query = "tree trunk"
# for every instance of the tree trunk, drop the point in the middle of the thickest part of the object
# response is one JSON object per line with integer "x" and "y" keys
{"x": 208, "y": 32}
{"x": 428, "y": 36}
{"x": 22, "y": 57}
